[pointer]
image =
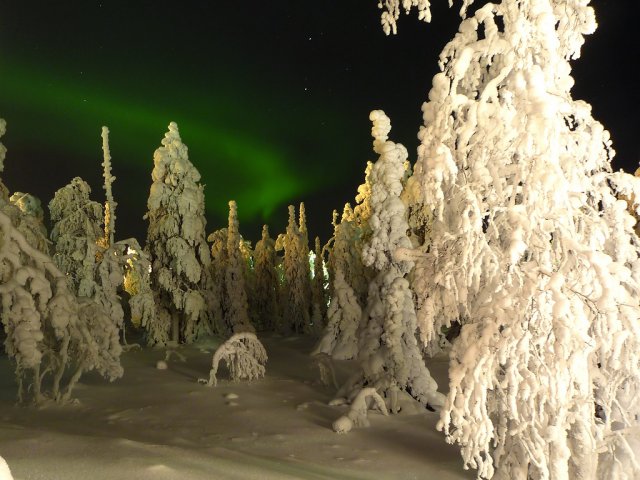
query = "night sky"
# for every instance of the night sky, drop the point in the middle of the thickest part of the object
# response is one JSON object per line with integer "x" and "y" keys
{"x": 272, "y": 98}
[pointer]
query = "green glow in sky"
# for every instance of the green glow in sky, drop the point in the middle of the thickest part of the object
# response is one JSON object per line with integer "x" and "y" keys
{"x": 235, "y": 143}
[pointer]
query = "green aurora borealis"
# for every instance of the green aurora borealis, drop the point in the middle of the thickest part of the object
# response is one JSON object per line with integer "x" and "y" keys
{"x": 260, "y": 173}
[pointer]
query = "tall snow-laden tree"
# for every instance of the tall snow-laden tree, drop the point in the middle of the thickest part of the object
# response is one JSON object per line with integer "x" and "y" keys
{"x": 218, "y": 240}
{"x": 388, "y": 349}
{"x": 530, "y": 249}
{"x": 235, "y": 306}
{"x": 110, "y": 203}
{"x": 176, "y": 242}
{"x": 296, "y": 301}
{"x": 266, "y": 282}
{"x": 77, "y": 222}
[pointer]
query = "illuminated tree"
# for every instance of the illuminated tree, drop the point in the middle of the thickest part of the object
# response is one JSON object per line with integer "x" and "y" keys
{"x": 77, "y": 228}
{"x": 266, "y": 282}
{"x": 529, "y": 248}
{"x": 48, "y": 330}
{"x": 30, "y": 220}
{"x": 295, "y": 298}
{"x": 176, "y": 242}
{"x": 235, "y": 307}
{"x": 388, "y": 350}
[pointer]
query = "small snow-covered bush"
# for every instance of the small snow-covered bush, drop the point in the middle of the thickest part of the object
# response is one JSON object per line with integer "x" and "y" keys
{"x": 244, "y": 355}
{"x": 357, "y": 414}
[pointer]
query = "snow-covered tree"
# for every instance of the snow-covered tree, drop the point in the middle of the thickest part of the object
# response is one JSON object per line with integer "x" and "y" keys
{"x": 218, "y": 240}
{"x": 235, "y": 306}
{"x": 318, "y": 291}
{"x": 176, "y": 239}
{"x": 245, "y": 358}
{"x": 345, "y": 254}
{"x": 295, "y": 298}
{"x": 265, "y": 294}
{"x": 388, "y": 350}
{"x": 530, "y": 249}
{"x": 340, "y": 336}
{"x": 30, "y": 221}
{"x": 77, "y": 228}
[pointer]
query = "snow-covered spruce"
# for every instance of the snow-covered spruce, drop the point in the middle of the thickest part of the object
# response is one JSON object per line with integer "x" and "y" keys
{"x": 295, "y": 315}
{"x": 176, "y": 242}
{"x": 266, "y": 290}
{"x": 388, "y": 349}
{"x": 77, "y": 227}
{"x": 235, "y": 307}
{"x": 244, "y": 356}
{"x": 531, "y": 249}
{"x": 340, "y": 338}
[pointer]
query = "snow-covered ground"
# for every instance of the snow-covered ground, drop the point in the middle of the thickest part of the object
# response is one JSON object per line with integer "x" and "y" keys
{"x": 161, "y": 424}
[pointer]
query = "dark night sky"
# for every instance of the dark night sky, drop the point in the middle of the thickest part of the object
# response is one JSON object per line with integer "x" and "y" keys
{"x": 272, "y": 98}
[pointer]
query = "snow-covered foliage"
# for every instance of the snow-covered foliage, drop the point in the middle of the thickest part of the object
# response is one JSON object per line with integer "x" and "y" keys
{"x": 47, "y": 331}
{"x": 357, "y": 414}
{"x": 244, "y": 356}
{"x": 5, "y": 471}
{"x": 137, "y": 283}
{"x": 176, "y": 242}
{"x": 388, "y": 349}
{"x": 29, "y": 219}
{"x": 218, "y": 240}
{"x": 77, "y": 222}
{"x": 295, "y": 296}
{"x": 235, "y": 306}
{"x": 345, "y": 254}
{"x": 266, "y": 291}
{"x": 530, "y": 249}
{"x": 318, "y": 291}
{"x": 4, "y": 191}
{"x": 110, "y": 204}
{"x": 340, "y": 338}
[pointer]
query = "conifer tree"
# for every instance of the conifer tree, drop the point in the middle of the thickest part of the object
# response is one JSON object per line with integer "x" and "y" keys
{"x": 234, "y": 297}
{"x": 176, "y": 239}
{"x": 388, "y": 349}
{"x": 30, "y": 220}
{"x": 266, "y": 282}
{"x": 295, "y": 316}
{"x": 77, "y": 228}
{"x": 530, "y": 249}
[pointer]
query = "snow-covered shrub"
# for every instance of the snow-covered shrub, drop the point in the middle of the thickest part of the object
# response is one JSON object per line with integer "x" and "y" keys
{"x": 357, "y": 414}
{"x": 265, "y": 293}
{"x": 388, "y": 349}
{"x": 340, "y": 337}
{"x": 176, "y": 242}
{"x": 530, "y": 249}
{"x": 243, "y": 354}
